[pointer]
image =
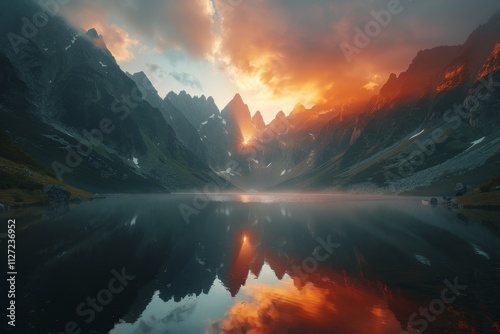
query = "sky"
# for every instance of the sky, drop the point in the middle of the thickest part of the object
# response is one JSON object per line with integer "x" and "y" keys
{"x": 275, "y": 53}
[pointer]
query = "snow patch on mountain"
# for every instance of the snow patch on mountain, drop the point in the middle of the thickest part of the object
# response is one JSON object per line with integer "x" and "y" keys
{"x": 416, "y": 135}
{"x": 479, "y": 251}
{"x": 422, "y": 259}
{"x": 73, "y": 40}
{"x": 477, "y": 142}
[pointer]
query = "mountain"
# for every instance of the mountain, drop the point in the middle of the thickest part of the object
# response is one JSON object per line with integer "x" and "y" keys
{"x": 196, "y": 109}
{"x": 239, "y": 120}
{"x": 205, "y": 117}
{"x": 428, "y": 128}
{"x": 258, "y": 121}
{"x": 240, "y": 130}
{"x": 81, "y": 116}
{"x": 298, "y": 109}
{"x": 492, "y": 64}
{"x": 410, "y": 137}
{"x": 184, "y": 130}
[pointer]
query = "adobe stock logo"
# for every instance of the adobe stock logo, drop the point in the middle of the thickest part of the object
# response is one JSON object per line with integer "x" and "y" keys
{"x": 92, "y": 306}
{"x": 419, "y": 322}
{"x": 31, "y": 28}
{"x": 311, "y": 264}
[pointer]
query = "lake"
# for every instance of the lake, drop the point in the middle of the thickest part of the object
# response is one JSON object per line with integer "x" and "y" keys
{"x": 255, "y": 263}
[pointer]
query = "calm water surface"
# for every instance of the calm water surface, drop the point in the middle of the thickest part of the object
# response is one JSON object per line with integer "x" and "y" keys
{"x": 256, "y": 264}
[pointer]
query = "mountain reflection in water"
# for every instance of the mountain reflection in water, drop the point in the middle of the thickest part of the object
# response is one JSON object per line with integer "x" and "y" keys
{"x": 260, "y": 264}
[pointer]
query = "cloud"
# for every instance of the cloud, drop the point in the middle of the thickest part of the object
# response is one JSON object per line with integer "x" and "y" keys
{"x": 174, "y": 57}
{"x": 167, "y": 24}
{"x": 118, "y": 41}
{"x": 121, "y": 44}
{"x": 371, "y": 85}
{"x": 283, "y": 50}
{"x": 153, "y": 68}
{"x": 186, "y": 79}
{"x": 291, "y": 48}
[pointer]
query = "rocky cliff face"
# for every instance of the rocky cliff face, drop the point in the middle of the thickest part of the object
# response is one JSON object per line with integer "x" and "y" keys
{"x": 184, "y": 130}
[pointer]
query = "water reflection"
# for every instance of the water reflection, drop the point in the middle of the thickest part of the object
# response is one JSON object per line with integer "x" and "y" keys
{"x": 243, "y": 265}
{"x": 324, "y": 305}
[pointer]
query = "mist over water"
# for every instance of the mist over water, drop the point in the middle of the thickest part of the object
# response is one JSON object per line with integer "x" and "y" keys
{"x": 257, "y": 263}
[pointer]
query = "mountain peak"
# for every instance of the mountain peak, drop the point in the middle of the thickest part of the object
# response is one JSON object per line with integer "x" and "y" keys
{"x": 92, "y": 33}
{"x": 237, "y": 99}
{"x": 140, "y": 74}
{"x": 299, "y": 108}
{"x": 170, "y": 95}
{"x": 97, "y": 40}
{"x": 492, "y": 64}
{"x": 237, "y": 104}
{"x": 391, "y": 88}
{"x": 142, "y": 79}
{"x": 237, "y": 109}
{"x": 258, "y": 121}
{"x": 422, "y": 75}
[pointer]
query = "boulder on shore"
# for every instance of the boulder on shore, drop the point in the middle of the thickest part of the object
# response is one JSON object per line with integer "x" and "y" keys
{"x": 460, "y": 189}
{"x": 58, "y": 196}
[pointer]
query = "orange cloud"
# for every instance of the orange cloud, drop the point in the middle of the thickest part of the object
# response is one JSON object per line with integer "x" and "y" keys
{"x": 118, "y": 41}
{"x": 264, "y": 48}
{"x": 121, "y": 44}
{"x": 371, "y": 85}
{"x": 291, "y": 51}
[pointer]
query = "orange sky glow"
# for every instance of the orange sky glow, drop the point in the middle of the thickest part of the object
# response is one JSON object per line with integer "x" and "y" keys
{"x": 276, "y": 53}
